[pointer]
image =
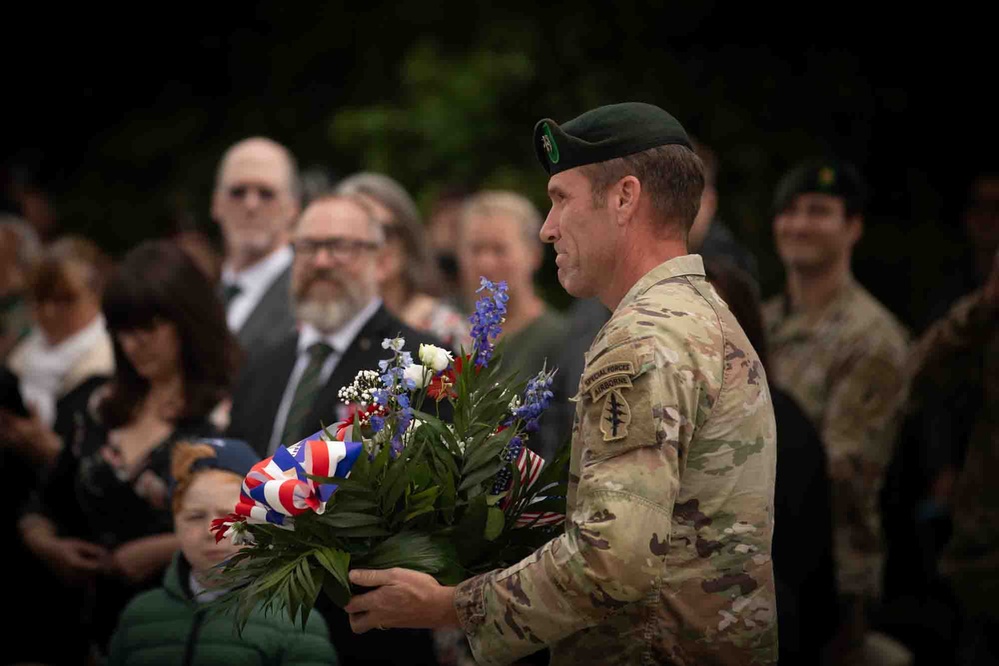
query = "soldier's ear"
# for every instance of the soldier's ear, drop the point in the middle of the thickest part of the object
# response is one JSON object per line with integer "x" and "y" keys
{"x": 627, "y": 193}
{"x": 855, "y": 228}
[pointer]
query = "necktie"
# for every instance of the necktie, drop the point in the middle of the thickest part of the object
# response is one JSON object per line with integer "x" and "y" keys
{"x": 230, "y": 291}
{"x": 295, "y": 426}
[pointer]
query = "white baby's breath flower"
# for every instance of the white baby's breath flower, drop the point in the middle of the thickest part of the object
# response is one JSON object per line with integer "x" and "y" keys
{"x": 435, "y": 358}
{"x": 417, "y": 374}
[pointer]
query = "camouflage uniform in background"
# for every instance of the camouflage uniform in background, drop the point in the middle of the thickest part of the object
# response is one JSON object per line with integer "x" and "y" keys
{"x": 666, "y": 554}
{"x": 845, "y": 366}
{"x": 961, "y": 352}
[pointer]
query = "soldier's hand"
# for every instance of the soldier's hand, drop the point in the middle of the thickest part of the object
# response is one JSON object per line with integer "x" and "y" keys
{"x": 402, "y": 599}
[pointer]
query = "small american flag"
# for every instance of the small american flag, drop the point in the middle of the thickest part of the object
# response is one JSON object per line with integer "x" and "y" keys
{"x": 529, "y": 464}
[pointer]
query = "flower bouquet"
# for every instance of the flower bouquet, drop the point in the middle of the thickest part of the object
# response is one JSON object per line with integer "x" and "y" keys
{"x": 398, "y": 485}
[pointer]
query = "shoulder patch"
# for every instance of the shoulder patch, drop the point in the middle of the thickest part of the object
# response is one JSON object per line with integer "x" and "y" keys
{"x": 597, "y": 377}
{"x": 616, "y": 416}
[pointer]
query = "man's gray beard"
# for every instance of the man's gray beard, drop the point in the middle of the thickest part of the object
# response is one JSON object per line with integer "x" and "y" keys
{"x": 327, "y": 316}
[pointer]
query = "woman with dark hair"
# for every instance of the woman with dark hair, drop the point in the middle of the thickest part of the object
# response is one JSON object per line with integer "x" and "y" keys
{"x": 101, "y": 520}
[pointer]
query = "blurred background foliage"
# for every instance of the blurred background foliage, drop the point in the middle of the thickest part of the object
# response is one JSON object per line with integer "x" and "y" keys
{"x": 120, "y": 115}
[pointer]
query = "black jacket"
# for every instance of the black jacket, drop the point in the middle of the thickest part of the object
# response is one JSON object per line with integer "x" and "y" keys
{"x": 255, "y": 405}
{"x": 262, "y": 382}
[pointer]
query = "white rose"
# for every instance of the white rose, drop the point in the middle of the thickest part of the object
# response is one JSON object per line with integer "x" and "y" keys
{"x": 416, "y": 373}
{"x": 435, "y": 358}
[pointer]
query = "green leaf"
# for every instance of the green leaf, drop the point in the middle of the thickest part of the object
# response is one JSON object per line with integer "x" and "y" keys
{"x": 409, "y": 550}
{"x": 350, "y": 519}
{"x": 494, "y": 523}
{"x": 416, "y": 513}
{"x": 338, "y": 593}
{"x": 362, "y": 532}
{"x": 481, "y": 474}
{"x": 354, "y": 504}
{"x": 336, "y": 584}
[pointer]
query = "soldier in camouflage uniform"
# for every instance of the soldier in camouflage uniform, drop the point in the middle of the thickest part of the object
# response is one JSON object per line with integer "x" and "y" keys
{"x": 960, "y": 353}
{"x": 666, "y": 554}
{"x": 841, "y": 355}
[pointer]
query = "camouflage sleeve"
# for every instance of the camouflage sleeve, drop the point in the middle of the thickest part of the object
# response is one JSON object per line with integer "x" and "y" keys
{"x": 939, "y": 360}
{"x": 617, "y": 535}
{"x": 858, "y": 429}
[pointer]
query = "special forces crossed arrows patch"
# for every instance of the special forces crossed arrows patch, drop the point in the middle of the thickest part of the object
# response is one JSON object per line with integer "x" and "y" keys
{"x": 608, "y": 382}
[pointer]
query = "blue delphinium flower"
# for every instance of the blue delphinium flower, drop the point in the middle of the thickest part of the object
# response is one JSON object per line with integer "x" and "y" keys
{"x": 395, "y": 394}
{"x": 487, "y": 320}
{"x": 537, "y": 397}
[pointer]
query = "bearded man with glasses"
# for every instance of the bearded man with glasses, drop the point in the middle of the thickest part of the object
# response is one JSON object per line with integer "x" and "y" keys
{"x": 287, "y": 391}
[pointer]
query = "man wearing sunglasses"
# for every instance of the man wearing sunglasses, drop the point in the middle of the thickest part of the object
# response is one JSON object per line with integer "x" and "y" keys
{"x": 256, "y": 200}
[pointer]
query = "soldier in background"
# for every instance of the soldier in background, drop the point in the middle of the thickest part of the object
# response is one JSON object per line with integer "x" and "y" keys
{"x": 666, "y": 552}
{"x": 841, "y": 355}
{"x": 960, "y": 354}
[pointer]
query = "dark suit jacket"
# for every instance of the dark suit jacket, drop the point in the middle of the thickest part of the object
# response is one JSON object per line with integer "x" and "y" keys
{"x": 272, "y": 320}
{"x": 256, "y": 400}
{"x": 265, "y": 376}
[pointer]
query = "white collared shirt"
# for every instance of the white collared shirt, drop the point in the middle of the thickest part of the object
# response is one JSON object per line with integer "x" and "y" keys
{"x": 308, "y": 336}
{"x": 254, "y": 283}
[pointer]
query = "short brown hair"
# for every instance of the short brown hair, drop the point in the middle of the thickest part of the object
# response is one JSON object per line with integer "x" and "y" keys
{"x": 406, "y": 224}
{"x": 182, "y": 459}
{"x": 504, "y": 202}
{"x": 672, "y": 175}
{"x": 52, "y": 275}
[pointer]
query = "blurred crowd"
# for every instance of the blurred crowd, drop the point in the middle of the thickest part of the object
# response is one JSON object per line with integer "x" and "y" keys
{"x": 137, "y": 392}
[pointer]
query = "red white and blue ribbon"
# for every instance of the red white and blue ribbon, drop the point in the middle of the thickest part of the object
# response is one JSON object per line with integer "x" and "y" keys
{"x": 278, "y": 488}
{"x": 529, "y": 464}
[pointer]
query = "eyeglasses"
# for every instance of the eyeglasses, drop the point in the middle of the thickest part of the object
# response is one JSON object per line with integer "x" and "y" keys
{"x": 263, "y": 193}
{"x": 340, "y": 248}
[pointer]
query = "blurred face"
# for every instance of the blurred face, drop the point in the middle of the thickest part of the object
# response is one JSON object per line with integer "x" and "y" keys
{"x": 334, "y": 274}
{"x": 154, "y": 352}
{"x": 981, "y": 217}
{"x": 68, "y": 309}
{"x": 494, "y": 246}
{"x": 584, "y": 236}
{"x": 813, "y": 232}
{"x": 253, "y": 201}
{"x": 212, "y": 494}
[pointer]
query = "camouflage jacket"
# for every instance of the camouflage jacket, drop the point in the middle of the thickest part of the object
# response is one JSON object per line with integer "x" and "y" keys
{"x": 845, "y": 366}
{"x": 665, "y": 558}
{"x": 961, "y": 352}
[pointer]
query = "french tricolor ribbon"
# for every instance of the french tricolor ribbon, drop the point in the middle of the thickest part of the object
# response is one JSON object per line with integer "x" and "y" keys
{"x": 529, "y": 464}
{"x": 278, "y": 488}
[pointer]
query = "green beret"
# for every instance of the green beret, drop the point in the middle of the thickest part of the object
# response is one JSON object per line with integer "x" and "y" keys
{"x": 604, "y": 133}
{"x": 822, "y": 176}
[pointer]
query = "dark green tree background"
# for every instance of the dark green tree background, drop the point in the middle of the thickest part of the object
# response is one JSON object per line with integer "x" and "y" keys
{"x": 121, "y": 116}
